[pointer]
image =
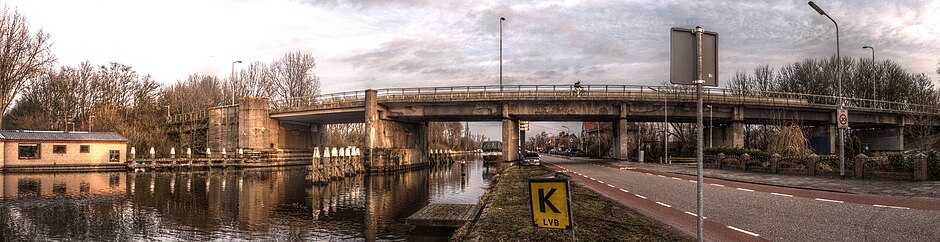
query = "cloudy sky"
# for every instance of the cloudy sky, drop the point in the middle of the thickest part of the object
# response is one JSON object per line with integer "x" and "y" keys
{"x": 378, "y": 44}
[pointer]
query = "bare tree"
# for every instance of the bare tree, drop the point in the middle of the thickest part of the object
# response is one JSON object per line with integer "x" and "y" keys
{"x": 23, "y": 55}
{"x": 292, "y": 76}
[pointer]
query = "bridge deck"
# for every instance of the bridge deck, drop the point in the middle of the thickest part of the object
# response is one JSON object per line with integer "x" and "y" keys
{"x": 444, "y": 215}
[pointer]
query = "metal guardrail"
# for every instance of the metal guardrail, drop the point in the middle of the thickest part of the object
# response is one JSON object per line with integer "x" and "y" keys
{"x": 569, "y": 92}
{"x": 591, "y": 92}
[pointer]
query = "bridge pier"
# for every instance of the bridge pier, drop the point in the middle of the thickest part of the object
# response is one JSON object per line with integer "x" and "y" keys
{"x": 392, "y": 145}
{"x": 622, "y": 137}
{"x": 510, "y": 136}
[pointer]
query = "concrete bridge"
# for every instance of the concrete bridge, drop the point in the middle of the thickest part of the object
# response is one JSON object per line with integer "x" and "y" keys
{"x": 396, "y": 119}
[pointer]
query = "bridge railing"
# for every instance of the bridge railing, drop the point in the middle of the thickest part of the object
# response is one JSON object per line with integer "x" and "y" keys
{"x": 330, "y": 100}
{"x": 589, "y": 92}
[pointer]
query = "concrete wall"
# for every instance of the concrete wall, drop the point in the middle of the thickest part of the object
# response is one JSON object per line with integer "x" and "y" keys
{"x": 882, "y": 139}
{"x": 222, "y": 130}
{"x": 98, "y": 153}
{"x": 256, "y": 130}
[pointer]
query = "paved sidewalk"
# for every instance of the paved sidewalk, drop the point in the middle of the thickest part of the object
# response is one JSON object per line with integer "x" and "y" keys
{"x": 910, "y": 189}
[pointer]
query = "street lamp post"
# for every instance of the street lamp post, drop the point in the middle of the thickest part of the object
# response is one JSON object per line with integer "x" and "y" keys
{"x": 232, "y": 79}
{"x": 91, "y": 120}
{"x": 874, "y": 91}
{"x": 711, "y": 126}
{"x": 501, "y": 19}
{"x": 839, "y": 79}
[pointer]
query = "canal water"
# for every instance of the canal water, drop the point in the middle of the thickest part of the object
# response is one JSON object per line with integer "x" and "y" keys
{"x": 259, "y": 204}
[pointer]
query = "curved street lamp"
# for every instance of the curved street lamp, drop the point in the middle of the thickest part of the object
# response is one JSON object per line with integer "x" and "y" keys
{"x": 501, "y": 19}
{"x": 839, "y": 79}
{"x": 874, "y": 91}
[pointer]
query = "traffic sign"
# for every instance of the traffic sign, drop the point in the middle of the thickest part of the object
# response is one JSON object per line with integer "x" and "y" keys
{"x": 683, "y": 62}
{"x": 843, "y": 118}
{"x": 551, "y": 203}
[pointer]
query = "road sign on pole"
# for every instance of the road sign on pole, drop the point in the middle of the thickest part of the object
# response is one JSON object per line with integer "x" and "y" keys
{"x": 684, "y": 57}
{"x": 843, "y": 118}
{"x": 694, "y": 61}
{"x": 550, "y": 203}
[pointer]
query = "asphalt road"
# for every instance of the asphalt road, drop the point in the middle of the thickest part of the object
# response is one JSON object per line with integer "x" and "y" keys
{"x": 744, "y": 211}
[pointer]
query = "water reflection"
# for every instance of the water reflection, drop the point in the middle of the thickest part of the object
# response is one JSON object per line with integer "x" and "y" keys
{"x": 268, "y": 204}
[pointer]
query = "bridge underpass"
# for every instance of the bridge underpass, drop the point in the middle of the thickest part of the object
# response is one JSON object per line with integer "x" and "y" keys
{"x": 396, "y": 119}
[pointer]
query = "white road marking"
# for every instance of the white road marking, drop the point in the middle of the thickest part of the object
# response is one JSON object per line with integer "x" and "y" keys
{"x": 666, "y": 205}
{"x": 717, "y": 185}
{"x": 640, "y": 196}
{"x": 610, "y": 185}
{"x": 676, "y": 178}
{"x": 781, "y": 194}
{"x": 660, "y": 176}
{"x": 696, "y": 215}
{"x": 602, "y": 182}
{"x": 621, "y": 189}
{"x": 886, "y": 206}
{"x": 692, "y": 181}
{"x": 827, "y": 200}
{"x": 647, "y": 173}
{"x": 592, "y": 179}
{"x": 746, "y": 190}
{"x": 744, "y": 231}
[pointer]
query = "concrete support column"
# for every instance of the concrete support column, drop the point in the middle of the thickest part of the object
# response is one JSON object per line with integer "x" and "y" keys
{"x": 737, "y": 127}
{"x": 254, "y": 124}
{"x": 372, "y": 126}
{"x": 318, "y": 135}
{"x": 622, "y": 137}
{"x": 510, "y": 136}
{"x": 737, "y": 134}
{"x": 510, "y": 139}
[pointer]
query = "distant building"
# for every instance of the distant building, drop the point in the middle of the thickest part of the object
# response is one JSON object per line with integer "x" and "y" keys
{"x": 57, "y": 150}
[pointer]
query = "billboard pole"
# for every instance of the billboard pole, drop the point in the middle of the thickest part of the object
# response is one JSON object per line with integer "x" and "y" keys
{"x": 699, "y": 81}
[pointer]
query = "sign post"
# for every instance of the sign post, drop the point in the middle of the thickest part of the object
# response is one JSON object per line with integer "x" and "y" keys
{"x": 551, "y": 203}
{"x": 694, "y": 61}
{"x": 842, "y": 118}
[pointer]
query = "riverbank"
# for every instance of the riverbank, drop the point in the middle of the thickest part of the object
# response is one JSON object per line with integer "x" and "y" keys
{"x": 506, "y": 215}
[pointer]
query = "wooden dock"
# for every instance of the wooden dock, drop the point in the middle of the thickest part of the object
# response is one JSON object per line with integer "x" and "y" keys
{"x": 444, "y": 215}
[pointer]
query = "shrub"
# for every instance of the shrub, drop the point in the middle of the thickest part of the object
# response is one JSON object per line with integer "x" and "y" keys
{"x": 734, "y": 151}
{"x": 898, "y": 162}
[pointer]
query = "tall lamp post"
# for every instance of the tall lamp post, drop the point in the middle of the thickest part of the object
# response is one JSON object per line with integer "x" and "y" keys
{"x": 874, "y": 91}
{"x": 501, "y": 19}
{"x": 839, "y": 79}
{"x": 232, "y": 79}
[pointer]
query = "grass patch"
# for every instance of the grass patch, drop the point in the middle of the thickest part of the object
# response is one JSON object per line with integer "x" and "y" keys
{"x": 507, "y": 217}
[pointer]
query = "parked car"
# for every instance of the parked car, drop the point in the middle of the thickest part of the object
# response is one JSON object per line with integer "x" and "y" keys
{"x": 531, "y": 159}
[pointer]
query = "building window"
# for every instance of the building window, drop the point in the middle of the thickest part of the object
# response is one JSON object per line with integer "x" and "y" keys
{"x": 84, "y": 148}
{"x": 114, "y": 156}
{"x": 58, "y": 149}
{"x": 29, "y": 151}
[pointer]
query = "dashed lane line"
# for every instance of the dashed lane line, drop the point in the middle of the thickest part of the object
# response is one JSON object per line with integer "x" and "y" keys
{"x": 744, "y": 231}
{"x": 886, "y": 206}
{"x": 621, "y": 189}
{"x": 744, "y": 189}
{"x": 640, "y": 196}
{"x": 717, "y": 185}
{"x": 828, "y": 200}
{"x": 781, "y": 194}
{"x": 664, "y": 205}
{"x": 695, "y": 215}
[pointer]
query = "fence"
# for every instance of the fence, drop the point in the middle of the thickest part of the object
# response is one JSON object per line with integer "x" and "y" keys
{"x": 860, "y": 167}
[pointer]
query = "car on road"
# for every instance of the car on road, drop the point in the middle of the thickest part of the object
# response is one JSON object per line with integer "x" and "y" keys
{"x": 571, "y": 151}
{"x": 531, "y": 159}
